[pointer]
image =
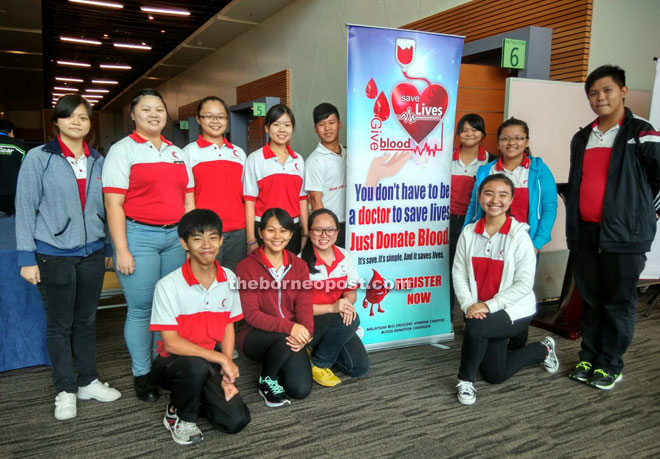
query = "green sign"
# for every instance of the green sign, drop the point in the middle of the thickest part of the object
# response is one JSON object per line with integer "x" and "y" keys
{"x": 259, "y": 108}
{"x": 183, "y": 125}
{"x": 513, "y": 53}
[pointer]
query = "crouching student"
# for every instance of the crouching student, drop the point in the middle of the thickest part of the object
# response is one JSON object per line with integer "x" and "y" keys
{"x": 493, "y": 277}
{"x": 335, "y": 279}
{"x": 278, "y": 312}
{"x": 195, "y": 308}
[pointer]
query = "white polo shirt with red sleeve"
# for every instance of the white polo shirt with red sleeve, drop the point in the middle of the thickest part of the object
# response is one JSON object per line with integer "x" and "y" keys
{"x": 462, "y": 180}
{"x": 218, "y": 175}
{"x": 520, "y": 177}
{"x": 197, "y": 314}
{"x": 155, "y": 182}
{"x": 325, "y": 171}
{"x": 269, "y": 183}
{"x": 332, "y": 281}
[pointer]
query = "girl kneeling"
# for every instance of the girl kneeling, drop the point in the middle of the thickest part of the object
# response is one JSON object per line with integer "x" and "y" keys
{"x": 493, "y": 277}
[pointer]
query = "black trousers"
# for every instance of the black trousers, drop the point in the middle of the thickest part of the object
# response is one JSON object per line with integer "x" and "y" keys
{"x": 294, "y": 242}
{"x": 70, "y": 288}
{"x": 291, "y": 369}
{"x": 607, "y": 283}
{"x": 485, "y": 347}
{"x": 194, "y": 385}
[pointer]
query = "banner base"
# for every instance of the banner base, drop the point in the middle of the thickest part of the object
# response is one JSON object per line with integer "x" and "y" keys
{"x": 409, "y": 342}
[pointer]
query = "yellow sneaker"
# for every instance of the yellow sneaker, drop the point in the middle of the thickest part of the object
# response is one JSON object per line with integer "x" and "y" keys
{"x": 324, "y": 376}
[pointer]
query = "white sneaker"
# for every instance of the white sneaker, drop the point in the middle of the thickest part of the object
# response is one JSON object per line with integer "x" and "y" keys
{"x": 467, "y": 393}
{"x": 183, "y": 432}
{"x": 551, "y": 362}
{"x": 65, "y": 406}
{"x": 98, "y": 391}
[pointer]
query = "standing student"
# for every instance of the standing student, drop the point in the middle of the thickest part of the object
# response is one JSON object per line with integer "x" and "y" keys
{"x": 335, "y": 278}
{"x": 535, "y": 202}
{"x": 469, "y": 156}
{"x": 325, "y": 168}
{"x": 12, "y": 152}
{"x": 493, "y": 276}
{"x": 217, "y": 167}
{"x": 195, "y": 308}
{"x": 60, "y": 238}
{"x": 148, "y": 187}
{"x": 610, "y": 222}
{"x": 278, "y": 312}
{"x": 273, "y": 178}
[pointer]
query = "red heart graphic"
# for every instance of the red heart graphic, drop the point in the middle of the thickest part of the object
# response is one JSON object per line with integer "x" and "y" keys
{"x": 419, "y": 113}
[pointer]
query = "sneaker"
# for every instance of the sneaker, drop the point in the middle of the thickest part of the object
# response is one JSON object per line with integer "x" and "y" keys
{"x": 272, "y": 393}
{"x": 551, "y": 362}
{"x": 183, "y": 432}
{"x": 582, "y": 371}
{"x": 65, "y": 406}
{"x": 145, "y": 389}
{"x": 604, "y": 380}
{"x": 98, "y": 391}
{"x": 170, "y": 418}
{"x": 324, "y": 376}
{"x": 467, "y": 393}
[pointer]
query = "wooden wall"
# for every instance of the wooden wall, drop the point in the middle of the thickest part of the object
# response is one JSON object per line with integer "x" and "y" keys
{"x": 570, "y": 21}
{"x": 275, "y": 85}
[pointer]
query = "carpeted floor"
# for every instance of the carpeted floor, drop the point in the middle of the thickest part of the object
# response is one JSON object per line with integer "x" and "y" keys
{"x": 406, "y": 407}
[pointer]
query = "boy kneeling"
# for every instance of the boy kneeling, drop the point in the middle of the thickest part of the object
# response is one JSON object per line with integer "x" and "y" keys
{"x": 195, "y": 308}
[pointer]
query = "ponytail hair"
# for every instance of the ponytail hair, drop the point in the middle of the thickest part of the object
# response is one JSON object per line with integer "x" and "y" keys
{"x": 307, "y": 253}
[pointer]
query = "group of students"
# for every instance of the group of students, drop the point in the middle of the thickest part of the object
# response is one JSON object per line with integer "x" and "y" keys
{"x": 181, "y": 222}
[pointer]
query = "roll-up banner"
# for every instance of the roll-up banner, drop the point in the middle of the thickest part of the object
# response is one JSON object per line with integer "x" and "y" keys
{"x": 401, "y": 111}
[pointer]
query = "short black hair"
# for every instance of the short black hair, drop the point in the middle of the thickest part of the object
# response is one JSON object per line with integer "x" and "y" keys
{"x": 198, "y": 221}
{"x": 146, "y": 92}
{"x": 276, "y": 111}
{"x": 614, "y": 71}
{"x": 6, "y": 126}
{"x": 474, "y": 120}
{"x": 281, "y": 215}
{"x": 66, "y": 105}
{"x": 323, "y": 111}
{"x": 515, "y": 122}
{"x": 497, "y": 178}
{"x": 211, "y": 99}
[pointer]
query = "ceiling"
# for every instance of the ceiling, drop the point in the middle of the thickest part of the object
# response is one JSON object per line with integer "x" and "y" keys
{"x": 30, "y": 47}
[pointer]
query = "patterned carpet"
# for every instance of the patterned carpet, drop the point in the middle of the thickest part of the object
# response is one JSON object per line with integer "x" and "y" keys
{"x": 406, "y": 407}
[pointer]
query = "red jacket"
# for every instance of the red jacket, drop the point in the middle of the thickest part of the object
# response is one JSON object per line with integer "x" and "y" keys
{"x": 275, "y": 307}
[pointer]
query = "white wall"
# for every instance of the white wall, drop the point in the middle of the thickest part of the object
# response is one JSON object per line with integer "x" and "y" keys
{"x": 309, "y": 38}
{"x": 627, "y": 33}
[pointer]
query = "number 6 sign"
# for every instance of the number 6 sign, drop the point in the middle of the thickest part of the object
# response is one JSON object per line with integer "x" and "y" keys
{"x": 513, "y": 53}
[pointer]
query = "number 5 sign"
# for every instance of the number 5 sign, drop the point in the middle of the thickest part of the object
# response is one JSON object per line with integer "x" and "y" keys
{"x": 513, "y": 53}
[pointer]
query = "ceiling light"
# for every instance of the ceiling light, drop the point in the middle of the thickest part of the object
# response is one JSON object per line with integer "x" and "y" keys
{"x": 97, "y": 90}
{"x": 115, "y": 67}
{"x": 84, "y": 41}
{"x": 58, "y": 94}
{"x": 132, "y": 46}
{"x": 151, "y": 18}
{"x": 74, "y": 64}
{"x": 159, "y": 10}
{"x": 99, "y": 3}
{"x": 105, "y": 82}
{"x": 93, "y": 96}
{"x": 72, "y": 80}
{"x": 62, "y": 88}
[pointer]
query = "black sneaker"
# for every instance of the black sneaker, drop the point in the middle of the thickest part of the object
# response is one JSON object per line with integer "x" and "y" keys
{"x": 145, "y": 389}
{"x": 601, "y": 379}
{"x": 582, "y": 371}
{"x": 272, "y": 393}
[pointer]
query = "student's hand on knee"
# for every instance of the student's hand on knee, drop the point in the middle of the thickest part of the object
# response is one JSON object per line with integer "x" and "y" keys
{"x": 294, "y": 344}
{"x": 31, "y": 274}
{"x": 229, "y": 371}
{"x": 300, "y": 333}
{"x": 477, "y": 311}
{"x": 229, "y": 389}
{"x": 346, "y": 310}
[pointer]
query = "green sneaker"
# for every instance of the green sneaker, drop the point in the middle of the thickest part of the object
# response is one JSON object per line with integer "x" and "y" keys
{"x": 272, "y": 393}
{"x": 601, "y": 379}
{"x": 582, "y": 372}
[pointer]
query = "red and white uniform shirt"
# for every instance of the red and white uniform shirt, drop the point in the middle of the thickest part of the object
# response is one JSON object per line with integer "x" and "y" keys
{"x": 78, "y": 166}
{"x": 462, "y": 180}
{"x": 218, "y": 175}
{"x": 325, "y": 171}
{"x": 520, "y": 178}
{"x": 155, "y": 182}
{"x": 488, "y": 259}
{"x": 269, "y": 183}
{"x": 332, "y": 281}
{"x": 595, "y": 168}
{"x": 197, "y": 314}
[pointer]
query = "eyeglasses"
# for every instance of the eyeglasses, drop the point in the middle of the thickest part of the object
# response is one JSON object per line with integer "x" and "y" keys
{"x": 213, "y": 117}
{"x": 319, "y": 231}
{"x": 512, "y": 139}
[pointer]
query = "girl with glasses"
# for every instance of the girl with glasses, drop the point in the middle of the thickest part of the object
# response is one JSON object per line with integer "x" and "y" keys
{"x": 335, "y": 278}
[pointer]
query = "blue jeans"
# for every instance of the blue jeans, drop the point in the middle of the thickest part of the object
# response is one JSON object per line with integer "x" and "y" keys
{"x": 157, "y": 252}
{"x": 336, "y": 344}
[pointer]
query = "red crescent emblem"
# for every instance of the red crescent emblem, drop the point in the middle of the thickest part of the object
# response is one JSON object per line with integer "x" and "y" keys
{"x": 296, "y": 166}
{"x": 236, "y": 153}
{"x": 223, "y": 302}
